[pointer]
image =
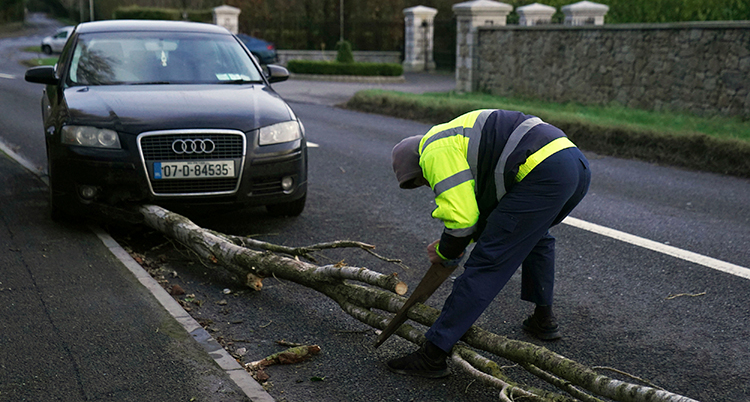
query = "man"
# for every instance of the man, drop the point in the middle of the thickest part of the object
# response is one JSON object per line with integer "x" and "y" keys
{"x": 500, "y": 178}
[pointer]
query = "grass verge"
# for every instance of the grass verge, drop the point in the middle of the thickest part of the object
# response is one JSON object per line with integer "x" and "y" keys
{"x": 717, "y": 145}
{"x": 44, "y": 61}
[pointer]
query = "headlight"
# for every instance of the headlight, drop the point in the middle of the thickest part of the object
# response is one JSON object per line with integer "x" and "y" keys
{"x": 90, "y": 137}
{"x": 281, "y": 132}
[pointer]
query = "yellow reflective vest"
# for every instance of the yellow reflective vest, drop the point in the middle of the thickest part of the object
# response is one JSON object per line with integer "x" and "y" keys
{"x": 473, "y": 160}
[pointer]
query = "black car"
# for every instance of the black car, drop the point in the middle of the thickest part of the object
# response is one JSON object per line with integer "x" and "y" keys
{"x": 264, "y": 51}
{"x": 172, "y": 113}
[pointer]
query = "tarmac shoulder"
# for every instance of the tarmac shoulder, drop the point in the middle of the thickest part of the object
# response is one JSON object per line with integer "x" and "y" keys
{"x": 81, "y": 323}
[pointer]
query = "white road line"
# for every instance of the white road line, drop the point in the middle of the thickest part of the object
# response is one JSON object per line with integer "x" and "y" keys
{"x": 8, "y": 76}
{"x": 661, "y": 248}
{"x": 312, "y": 145}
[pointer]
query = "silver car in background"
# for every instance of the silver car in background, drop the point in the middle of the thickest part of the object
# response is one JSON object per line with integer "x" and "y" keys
{"x": 55, "y": 43}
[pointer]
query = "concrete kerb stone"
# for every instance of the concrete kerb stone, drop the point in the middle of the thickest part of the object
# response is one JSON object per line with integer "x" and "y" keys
{"x": 234, "y": 370}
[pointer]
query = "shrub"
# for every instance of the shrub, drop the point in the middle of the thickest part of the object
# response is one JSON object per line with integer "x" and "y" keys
{"x": 344, "y": 54}
{"x": 336, "y": 68}
{"x": 200, "y": 16}
{"x": 11, "y": 10}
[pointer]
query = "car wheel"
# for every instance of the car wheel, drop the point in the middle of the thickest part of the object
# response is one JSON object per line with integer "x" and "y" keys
{"x": 47, "y": 49}
{"x": 293, "y": 208}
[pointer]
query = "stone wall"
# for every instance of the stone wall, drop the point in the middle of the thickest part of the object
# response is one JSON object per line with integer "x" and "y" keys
{"x": 702, "y": 67}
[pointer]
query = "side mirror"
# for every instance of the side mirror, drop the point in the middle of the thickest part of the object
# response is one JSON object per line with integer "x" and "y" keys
{"x": 42, "y": 75}
{"x": 276, "y": 73}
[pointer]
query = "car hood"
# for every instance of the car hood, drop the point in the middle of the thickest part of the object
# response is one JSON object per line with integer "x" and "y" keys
{"x": 136, "y": 109}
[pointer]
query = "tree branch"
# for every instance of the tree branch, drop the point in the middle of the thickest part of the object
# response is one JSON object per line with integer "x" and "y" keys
{"x": 357, "y": 301}
{"x": 306, "y": 251}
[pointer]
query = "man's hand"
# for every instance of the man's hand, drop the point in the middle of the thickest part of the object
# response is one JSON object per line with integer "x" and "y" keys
{"x": 432, "y": 254}
{"x": 435, "y": 258}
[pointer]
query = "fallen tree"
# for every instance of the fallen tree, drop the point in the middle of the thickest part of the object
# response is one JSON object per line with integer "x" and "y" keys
{"x": 254, "y": 260}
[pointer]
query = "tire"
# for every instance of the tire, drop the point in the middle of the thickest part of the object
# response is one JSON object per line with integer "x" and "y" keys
{"x": 293, "y": 208}
{"x": 47, "y": 49}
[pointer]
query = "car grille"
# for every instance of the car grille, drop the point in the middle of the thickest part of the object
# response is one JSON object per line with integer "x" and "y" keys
{"x": 157, "y": 147}
{"x": 267, "y": 187}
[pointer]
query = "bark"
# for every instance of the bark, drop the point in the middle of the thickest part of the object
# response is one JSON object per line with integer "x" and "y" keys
{"x": 383, "y": 292}
{"x": 290, "y": 356}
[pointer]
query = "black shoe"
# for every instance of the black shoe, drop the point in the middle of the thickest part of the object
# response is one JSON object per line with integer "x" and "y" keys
{"x": 542, "y": 326}
{"x": 428, "y": 361}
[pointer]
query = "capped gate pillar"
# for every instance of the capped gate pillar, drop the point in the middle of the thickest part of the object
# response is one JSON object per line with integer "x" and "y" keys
{"x": 535, "y": 14}
{"x": 419, "y": 35}
{"x": 471, "y": 15}
{"x": 585, "y": 13}
{"x": 227, "y": 17}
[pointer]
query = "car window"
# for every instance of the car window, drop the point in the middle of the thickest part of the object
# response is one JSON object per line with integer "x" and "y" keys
{"x": 116, "y": 58}
{"x": 65, "y": 55}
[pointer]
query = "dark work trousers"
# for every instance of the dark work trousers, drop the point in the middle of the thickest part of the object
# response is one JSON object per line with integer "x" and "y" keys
{"x": 517, "y": 234}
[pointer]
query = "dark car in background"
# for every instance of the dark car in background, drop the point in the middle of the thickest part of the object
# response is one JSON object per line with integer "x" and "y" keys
{"x": 172, "y": 113}
{"x": 264, "y": 51}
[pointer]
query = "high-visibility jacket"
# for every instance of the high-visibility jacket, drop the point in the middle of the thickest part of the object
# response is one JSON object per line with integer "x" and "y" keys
{"x": 475, "y": 159}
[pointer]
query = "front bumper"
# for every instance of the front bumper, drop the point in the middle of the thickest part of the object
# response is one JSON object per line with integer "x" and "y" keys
{"x": 122, "y": 177}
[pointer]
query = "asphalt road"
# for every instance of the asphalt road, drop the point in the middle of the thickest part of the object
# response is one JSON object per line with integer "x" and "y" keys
{"x": 612, "y": 297}
{"x": 20, "y": 102}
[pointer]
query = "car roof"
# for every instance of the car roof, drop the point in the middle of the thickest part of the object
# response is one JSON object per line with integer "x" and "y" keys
{"x": 149, "y": 25}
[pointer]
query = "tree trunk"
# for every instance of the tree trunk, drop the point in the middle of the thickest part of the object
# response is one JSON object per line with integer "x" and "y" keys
{"x": 383, "y": 293}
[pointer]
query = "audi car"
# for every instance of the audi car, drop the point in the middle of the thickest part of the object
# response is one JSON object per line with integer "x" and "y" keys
{"x": 177, "y": 114}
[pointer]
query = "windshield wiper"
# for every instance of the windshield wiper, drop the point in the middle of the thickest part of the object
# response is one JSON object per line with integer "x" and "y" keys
{"x": 151, "y": 83}
{"x": 241, "y": 81}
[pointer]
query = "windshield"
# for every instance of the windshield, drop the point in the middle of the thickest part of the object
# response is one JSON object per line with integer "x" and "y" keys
{"x": 117, "y": 58}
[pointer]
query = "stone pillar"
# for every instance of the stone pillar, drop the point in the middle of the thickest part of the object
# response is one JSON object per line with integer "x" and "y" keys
{"x": 227, "y": 17}
{"x": 419, "y": 35}
{"x": 535, "y": 14}
{"x": 471, "y": 15}
{"x": 585, "y": 13}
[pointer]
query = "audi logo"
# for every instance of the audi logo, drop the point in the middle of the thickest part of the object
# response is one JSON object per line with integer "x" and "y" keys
{"x": 187, "y": 147}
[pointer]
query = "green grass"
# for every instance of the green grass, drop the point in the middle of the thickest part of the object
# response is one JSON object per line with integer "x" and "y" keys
{"x": 608, "y": 116}
{"x": 45, "y": 61}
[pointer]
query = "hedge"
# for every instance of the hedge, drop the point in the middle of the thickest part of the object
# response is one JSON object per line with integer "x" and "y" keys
{"x": 335, "y": 68}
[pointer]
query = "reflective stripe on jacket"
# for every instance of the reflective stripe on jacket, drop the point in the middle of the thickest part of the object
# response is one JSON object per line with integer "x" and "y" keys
{"x": 473, "y": 160}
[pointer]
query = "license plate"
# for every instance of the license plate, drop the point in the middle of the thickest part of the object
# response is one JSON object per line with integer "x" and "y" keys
{"x": 193, "y": 170}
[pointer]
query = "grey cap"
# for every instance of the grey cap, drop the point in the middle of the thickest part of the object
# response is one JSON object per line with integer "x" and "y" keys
{"x": 406, "y": 161}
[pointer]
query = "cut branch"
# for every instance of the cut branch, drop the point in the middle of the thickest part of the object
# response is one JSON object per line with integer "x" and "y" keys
{"x": 358, "y": 301}
{"x": 306, "y": 251}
